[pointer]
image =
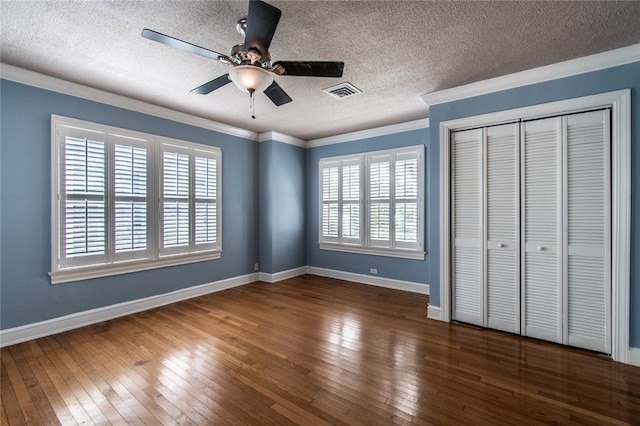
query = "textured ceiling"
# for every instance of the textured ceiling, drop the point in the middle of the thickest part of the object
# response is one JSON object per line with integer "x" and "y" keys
{"x": 394, "y": 51}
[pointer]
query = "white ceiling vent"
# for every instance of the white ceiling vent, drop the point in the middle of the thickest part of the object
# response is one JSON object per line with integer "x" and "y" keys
{"x": 342, "y": 90}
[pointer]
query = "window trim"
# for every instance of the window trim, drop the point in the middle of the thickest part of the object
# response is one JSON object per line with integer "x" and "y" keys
{"x": 365, "y": 246}
{"x": 115, "y": 263}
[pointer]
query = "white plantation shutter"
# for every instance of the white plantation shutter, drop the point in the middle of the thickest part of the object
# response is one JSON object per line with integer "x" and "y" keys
{"x": 341, "y": 200}
{"x": 502, "y": 228}
{"x": 206, "y": 195}
{"x": 542, "y": 260}
{"x": 329, "y": 192}
{"x": 467, "y": 219}
{"x": 131, "y": 195}
{"x": 407, "y": 200}
{"x": 380, "y": 200}
{"x": 124, "y": 201}
{"x": 175, "y": 198}
{"x": 373, "y": 203}
{"x": 588, "y": 271}
{"x": 190, "y": 200}
{"x": 84, "y": 228}
{"x": 351, "y": 200}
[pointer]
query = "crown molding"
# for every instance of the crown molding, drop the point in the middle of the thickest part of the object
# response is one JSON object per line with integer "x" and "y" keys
{"x": 370, "y": 133}
{"x": 599, "y": 61}
{"x": 281, "y": 137}
{"x": 31, "y": 78}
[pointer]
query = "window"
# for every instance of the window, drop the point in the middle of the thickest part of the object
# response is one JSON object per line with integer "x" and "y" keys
{"x": 125, "y": 201}
{"x": 189, "y": 199}
{"x": 342, "y": 201}
{"x": 372, "y": 203}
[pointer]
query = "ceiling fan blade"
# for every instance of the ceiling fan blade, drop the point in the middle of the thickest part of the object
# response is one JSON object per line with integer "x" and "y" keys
{"x": 262, "y": 20}
{"x": 182, "y": 45}
{"x": 277, "y": 95}
{"x": 312, "y": 68}
{"x": 212, "y": 85}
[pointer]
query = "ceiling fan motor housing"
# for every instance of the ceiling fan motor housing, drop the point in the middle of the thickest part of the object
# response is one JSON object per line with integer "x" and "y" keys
{"x": 252, "y": 56}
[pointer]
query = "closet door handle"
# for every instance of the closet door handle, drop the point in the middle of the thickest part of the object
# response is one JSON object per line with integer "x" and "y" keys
{"x": 540, "y": 248}
{"x": 501, "y": 245}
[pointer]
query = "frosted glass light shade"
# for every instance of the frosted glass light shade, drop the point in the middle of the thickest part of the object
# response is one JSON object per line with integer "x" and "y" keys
{"x": 251, "y": 77}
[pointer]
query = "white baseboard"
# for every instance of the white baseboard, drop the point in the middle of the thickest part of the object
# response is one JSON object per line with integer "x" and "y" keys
{"x": 367, "y": 279}
{"x": 634, "y": 356}
{"x": 27, "y": 332}
{"x": 283, "y": 275}
{"x": 433, "y": 312}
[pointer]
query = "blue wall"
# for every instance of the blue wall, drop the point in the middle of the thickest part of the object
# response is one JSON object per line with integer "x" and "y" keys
{"x": 26, "y": 294}
{"x": 282, "y": 207}
{"x": 416, "y": 271}
{"x": 622, "y": 77}
{"x": 270, "y": 199}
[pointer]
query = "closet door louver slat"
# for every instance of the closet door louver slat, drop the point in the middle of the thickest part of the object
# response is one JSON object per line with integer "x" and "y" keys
{"x": 466, "y": 186}
{"x": 502, "y": 218}
{"x": 588, "y": 280}
{"x": 542, "y": 278}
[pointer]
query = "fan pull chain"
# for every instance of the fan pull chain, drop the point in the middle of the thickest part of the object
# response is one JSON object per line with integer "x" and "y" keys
{"x": 253, "y": 107}
{"x": 252, "y": 103}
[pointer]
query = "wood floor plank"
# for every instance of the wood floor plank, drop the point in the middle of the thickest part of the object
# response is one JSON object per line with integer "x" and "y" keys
{"x": 308, "y": 350}
{"x": 17, "y": 379}
{"x": 11, "y": 408}
{"x": 132, "y": 367}
{"x": 113, "y": 381}
{"x": 49, "y": 387}
{"x": 51, "y": 408}
{"x": 61, "y": 396}
{"x": 97, "y": 412}
{"x": 194, "y": 405}
{"x": 199, "y": 369}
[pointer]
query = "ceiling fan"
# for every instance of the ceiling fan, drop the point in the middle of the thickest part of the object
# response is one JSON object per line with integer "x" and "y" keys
{"x": 252, "y": 69}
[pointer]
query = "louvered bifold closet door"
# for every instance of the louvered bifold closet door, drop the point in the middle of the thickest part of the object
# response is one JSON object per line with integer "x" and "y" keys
{"x": 467, "y": 222}
{"x": 587, "y": 218}
{"x": 502, "y": 228}
{"x": 541, "y": 175}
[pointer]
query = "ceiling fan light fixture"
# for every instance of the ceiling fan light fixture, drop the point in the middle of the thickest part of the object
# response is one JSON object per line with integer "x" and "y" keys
{"x": 251, "y": 78}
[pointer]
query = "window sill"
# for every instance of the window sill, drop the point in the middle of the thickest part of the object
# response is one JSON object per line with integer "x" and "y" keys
{"x": 400, "y": 253}
{"x": 98, "y": 271}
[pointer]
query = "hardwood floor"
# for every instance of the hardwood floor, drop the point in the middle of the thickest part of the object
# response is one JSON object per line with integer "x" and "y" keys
{"x": 309, "y": 351}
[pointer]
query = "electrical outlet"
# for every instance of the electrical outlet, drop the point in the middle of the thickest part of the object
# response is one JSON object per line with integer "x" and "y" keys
{"x": 374, "y": 271}
{"x": 256, "y": 267}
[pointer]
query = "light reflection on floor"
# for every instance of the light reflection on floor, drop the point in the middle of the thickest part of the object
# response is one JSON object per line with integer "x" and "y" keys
{"x": 344, "y": 338}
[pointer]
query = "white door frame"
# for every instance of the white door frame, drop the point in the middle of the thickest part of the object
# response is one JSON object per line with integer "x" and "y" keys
{"x": 620, "y": 104}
